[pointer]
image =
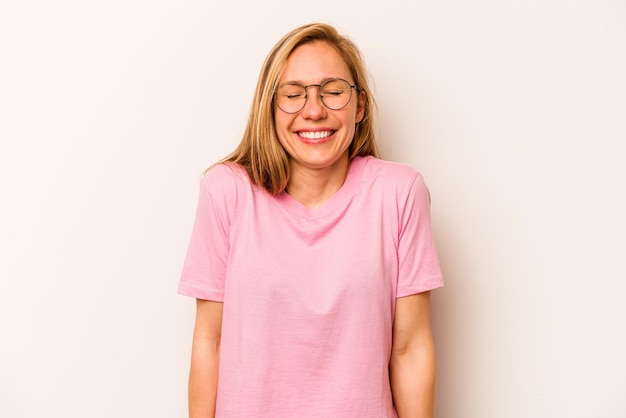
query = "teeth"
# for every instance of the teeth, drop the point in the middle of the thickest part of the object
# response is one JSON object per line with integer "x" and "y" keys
{"x": 315, "y": 135}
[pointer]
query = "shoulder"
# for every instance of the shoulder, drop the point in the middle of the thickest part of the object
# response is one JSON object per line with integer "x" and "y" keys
{"x": 392, "y": 183}
{"x": 387, "y": 173}
{"x": 224, "y": 178}
{"x": 224, "y": 188}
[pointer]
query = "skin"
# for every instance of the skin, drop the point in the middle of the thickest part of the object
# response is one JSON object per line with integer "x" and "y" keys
{"x": 412, "y": 364}
{"x": 318, "y": 170}
{"x": 318, "y": 167}
{"x": 205, "y": 353}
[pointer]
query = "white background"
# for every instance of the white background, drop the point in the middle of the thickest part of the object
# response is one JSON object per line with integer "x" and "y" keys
{"x": 514, "y": 111}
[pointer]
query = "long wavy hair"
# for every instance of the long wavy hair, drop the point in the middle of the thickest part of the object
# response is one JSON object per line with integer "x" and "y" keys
{"x": 260, "y": 152}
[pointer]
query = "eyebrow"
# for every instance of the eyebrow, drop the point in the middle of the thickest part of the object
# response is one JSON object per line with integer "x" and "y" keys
{"x": 300, "y": 83}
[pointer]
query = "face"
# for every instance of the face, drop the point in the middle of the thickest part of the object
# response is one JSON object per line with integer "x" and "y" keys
{"x": 317, "y": 138}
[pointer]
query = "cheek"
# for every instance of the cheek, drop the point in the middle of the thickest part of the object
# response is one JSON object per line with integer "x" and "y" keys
{"x": 352, "y": 118}
{"x": 281, "y": 127}
{"x": 281, "y": 122}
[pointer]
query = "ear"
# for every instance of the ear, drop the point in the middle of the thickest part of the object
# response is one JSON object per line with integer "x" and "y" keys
{"x": 360, "y": 107}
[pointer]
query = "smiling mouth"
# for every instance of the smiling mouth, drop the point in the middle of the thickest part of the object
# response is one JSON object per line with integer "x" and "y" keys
{"x": 315, "y": 135}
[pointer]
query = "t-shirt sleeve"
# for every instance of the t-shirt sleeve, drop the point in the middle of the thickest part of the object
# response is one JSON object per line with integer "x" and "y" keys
{"x": 419, "y": 269}
{"x": 204, "y": 268}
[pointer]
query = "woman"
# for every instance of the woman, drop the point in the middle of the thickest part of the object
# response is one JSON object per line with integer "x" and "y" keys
{"x": 311, "y": 259}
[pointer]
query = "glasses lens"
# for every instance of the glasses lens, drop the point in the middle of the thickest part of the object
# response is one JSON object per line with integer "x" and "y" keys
{"x": 291, "y": 98}
{"x": 336, "y": 94}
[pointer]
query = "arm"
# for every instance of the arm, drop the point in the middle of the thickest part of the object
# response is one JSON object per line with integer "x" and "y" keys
{"x": 204, "y": 359}
{"x": 412, "y": 365}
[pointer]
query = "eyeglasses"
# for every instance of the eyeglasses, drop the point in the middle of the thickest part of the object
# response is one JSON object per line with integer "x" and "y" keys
{"x": 334, "y": 93}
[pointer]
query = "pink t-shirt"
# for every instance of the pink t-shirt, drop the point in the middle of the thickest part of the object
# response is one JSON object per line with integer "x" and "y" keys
{"x": 309, "y": 294}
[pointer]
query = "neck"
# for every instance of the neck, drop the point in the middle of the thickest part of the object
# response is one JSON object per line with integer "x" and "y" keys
{"x": 313, "y": 187}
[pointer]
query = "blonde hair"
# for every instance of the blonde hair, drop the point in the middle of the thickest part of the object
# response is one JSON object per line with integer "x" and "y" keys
{"x": 260, "y": 152}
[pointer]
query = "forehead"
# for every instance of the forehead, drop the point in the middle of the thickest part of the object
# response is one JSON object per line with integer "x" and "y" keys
{"x": 315, "y": 62}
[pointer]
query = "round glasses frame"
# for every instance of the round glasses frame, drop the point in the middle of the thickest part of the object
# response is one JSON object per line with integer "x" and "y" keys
{"x": 349, "y": 86}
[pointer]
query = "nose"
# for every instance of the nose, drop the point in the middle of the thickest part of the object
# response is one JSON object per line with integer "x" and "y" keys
{"x": 313, "y": 108}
